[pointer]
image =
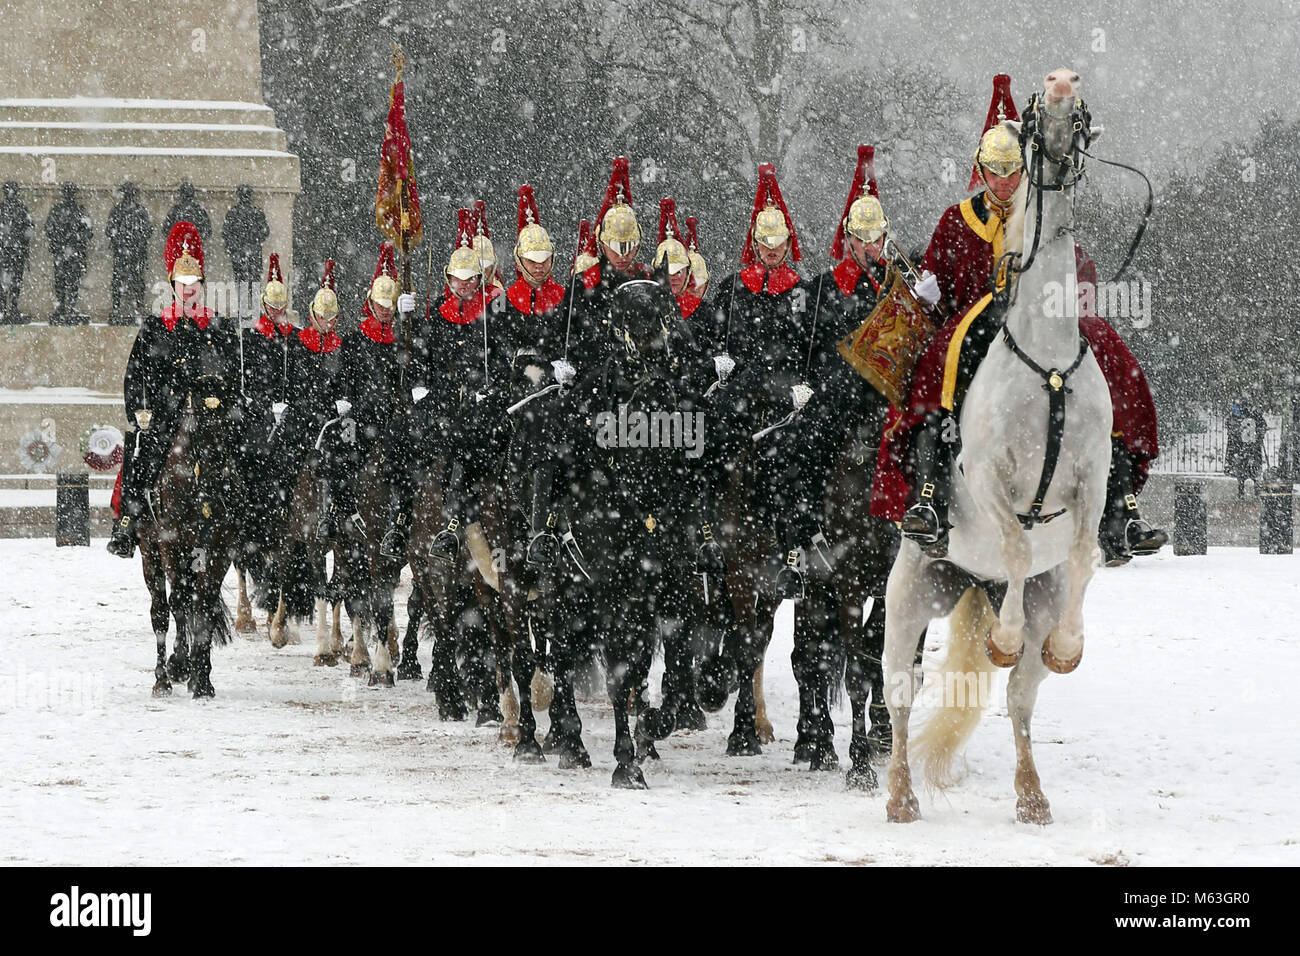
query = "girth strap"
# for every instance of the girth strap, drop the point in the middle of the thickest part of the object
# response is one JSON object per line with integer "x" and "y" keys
{"x": 1054, "y": 384}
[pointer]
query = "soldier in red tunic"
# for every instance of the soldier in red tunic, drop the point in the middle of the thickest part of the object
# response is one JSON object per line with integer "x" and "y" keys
{"x": 914, "y": 464}
{"x": 672, "y": 251}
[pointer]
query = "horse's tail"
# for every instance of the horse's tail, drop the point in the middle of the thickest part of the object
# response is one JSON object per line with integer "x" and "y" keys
{"x": 964, "y": 677}
{"x": 839, "y": 660}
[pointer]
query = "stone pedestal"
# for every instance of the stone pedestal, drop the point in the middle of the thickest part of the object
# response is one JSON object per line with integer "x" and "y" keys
{"x": 98, "y": 92}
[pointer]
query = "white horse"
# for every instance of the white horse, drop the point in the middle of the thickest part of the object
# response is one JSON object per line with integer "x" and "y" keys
{"x": 995, "y": 538}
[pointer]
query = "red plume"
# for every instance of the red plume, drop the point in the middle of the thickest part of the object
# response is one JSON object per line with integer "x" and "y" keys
{"x": 273, "y": 273}
{"x": 768, "y": 189}
{"x": 1001, "y": 103}
{"x": 184, "y": 235}
{"x": 668, "y": 220}
{"x": 863, "y": 177}
{"x": 480, "y": 219}
{"x": 464, "y": 227}
{"x": 620, "y": 180}
{"x": 327, "y": 280}
{"x": 387, "y": 264}
{"x": 692, "y": 241}
{"x": 527, "y": 208}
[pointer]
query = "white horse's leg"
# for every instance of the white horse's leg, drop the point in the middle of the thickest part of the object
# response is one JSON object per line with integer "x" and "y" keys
{"x": 326, "y": 654}
{"x": 336, "y": 631}
{"x": 1022, "y": 692}
{"x": 382, "y": 675}
{"x": 1006, "y": 642}
{"x": 1063, "y": 647}
{"x": 360, "y": 652}
{"x": 244, "y": 622}
{"x": 762, "y": 726}
{"x": 509, "y": 734}
{"x": 906, "y": 615}
{"x": 276, "y": 627}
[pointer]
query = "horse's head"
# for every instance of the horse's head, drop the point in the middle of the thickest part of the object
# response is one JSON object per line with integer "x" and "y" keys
{"x": 1056, "y": 121}
{"x": 644, "y": 309}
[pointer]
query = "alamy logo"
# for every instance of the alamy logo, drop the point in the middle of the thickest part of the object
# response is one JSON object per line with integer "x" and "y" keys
{"x": 656, "y": 429}
{"x": 75, "y": 909}
{"x": 1110, "y": 300}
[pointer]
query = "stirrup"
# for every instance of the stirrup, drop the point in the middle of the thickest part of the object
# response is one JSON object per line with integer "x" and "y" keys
{"x": 543, "y": 550}
{"x": 446, "y": 543}
{"x": 394, "y": 543}
{"x": 1149, "y": 540}
{"x": 789, "y": 580}
{"x": 121, "y": 542}
{"x": 921, "y": 524}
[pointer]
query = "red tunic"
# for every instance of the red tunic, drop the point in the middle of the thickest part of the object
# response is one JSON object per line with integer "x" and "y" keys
{"x": 961, "y": 254}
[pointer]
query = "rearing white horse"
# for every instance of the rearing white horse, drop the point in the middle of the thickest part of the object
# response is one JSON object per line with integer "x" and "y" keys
{"x": 1038, "y": 369}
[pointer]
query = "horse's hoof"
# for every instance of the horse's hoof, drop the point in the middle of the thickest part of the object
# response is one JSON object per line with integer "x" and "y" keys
{"x": 803, "y": 750}
{"x": 381, "y": 679}
{"x": 741, "y": 744}
{"x": 1034, "y": 810}
{"x": 906, "y": 810}
{"x": 657, "y": 723}
{"x": 202, "y": 689}
{"x": 691, "y": 717}
{"x": 409, "y": 668}
{"x": 509, "y": 736}
{"x": 999, "y": 658}
{"x": 529, "y": 750}
{"x": 358, "y": 670}
{"x": 861, "y": 776}
{"x": 452, "y": 712}
{"x": 649, "y": 752}
{"x": 162, "y": 688}
{"x": 824, "y": 758}
{"x": 245, "y": 624}
{"x": 1054, "y": 663}
{"x": 575, "y": 757}
{"x": 278, "y": 641}
{"x": 178, "y": 669}
{"x": 764, "y": 731}
{"x": 717, "y": 679}
{"x": 326, "y": 660}
{"x": 488, "y": 716}
{"x": 629, "y": 777}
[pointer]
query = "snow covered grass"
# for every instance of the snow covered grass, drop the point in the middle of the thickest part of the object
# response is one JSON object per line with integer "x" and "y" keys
{"x": 1174, "y": 743}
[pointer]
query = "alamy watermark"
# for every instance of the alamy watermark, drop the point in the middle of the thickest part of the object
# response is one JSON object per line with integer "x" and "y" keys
{"x": 654, "y": 429}
{"x": 1110, "y": 300}
{"x": 66, "y": 692}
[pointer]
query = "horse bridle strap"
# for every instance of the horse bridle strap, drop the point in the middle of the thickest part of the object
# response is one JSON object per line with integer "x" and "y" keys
{"x": 1054, "y": 384}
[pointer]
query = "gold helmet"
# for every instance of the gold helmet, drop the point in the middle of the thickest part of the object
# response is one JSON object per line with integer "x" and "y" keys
{"x": 325, "y": 303}
{"x": 585, "y": 257}
{"x": 533, "y": 242}
{"x": 866, "y": 219}
{"x": 999, "y": 146}
{"x": 770, "y": 228}
{"x": 770, "y": 224}
{"x": 466, "y": 260}
{"x": 616, "y": 226}
{"x": 999, "y": 151}
{"x": 276, "y": 293}
{"x": 383, "y": 287}
{"x": 670, "y": 247}
{"x": 699, "y": 270}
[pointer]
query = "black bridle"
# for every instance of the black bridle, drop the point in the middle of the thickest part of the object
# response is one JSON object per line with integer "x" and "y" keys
{"x": 1033, "y": 143}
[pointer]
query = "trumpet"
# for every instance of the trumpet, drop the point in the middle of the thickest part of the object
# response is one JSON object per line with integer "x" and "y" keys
{"x": 894, "y": 255}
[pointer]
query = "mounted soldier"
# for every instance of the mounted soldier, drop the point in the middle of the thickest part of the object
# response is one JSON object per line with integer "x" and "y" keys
{"x": 186, "y": 345}
{"x": 451, "y": 379}
{"x": 914, "y": 466}
{"x": 366, "y": 392}
{"x": 698, "y": 287}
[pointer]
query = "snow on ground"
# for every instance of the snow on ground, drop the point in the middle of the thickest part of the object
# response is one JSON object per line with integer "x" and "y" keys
{"x": 1174, "y": 743}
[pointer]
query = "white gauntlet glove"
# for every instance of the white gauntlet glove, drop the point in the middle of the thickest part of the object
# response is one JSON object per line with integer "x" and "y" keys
{"x": 406, "y": 303}
{"x": 343, "y": 406}
{"x": 801, "y": 393}
{"x": 725, "y": 365}
{"x": 278, "y": 409}
{"x": 564, "y": 372}
{"x": 927, "y": 290}
{"x": 418, "y": 393}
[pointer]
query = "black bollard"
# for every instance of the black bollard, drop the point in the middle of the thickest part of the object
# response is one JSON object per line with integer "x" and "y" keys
{"x": 1275, "y": 526}
{"x": 72, "y": 509}
{"x": 1190, "y": 536}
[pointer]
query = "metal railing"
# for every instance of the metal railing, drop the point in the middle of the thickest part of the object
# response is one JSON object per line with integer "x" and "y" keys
{"x": 1201, "y": 448}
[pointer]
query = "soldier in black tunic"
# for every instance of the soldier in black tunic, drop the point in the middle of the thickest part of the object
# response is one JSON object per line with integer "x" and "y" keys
{"x": 368, "y": 387}
{"x": 188, "y": 355}
{"x": 16, "y": 231}
{"x": 128, "y": 230}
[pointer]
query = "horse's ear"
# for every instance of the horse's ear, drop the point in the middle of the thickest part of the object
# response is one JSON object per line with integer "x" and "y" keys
{"x": 1013, "y": 125}
{"x": 1095, "y": 133}
{"x": 661, "y": 274}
